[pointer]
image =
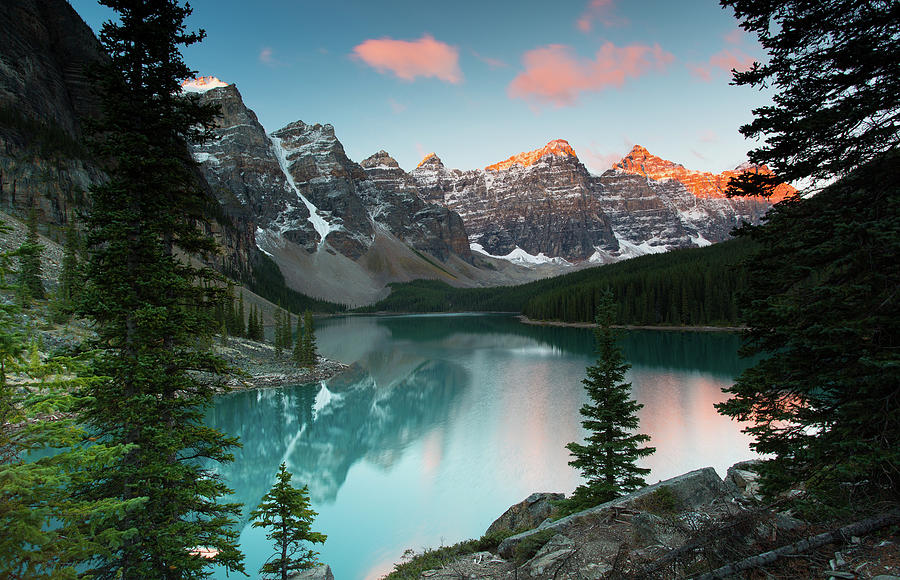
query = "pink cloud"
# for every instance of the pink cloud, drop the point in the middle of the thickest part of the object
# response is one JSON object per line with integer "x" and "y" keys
{"x": 267, "y": 56}
{"x": 725, "y": 60}
{"x": 553, "y": 74}
{"x": 735, "y": 36}
{"x": 493, "y": 63}
{"x": 708, "y": 136}
{"x": 600, "y": 10}
{"x": 595, "y": 159}
{"x": 425, "y": 57}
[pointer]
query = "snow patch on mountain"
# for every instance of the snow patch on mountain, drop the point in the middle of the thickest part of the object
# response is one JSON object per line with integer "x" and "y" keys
{"x": 522, "y": 258}
{"x": 322, "y": 226}
{"x": 201, "y": 84}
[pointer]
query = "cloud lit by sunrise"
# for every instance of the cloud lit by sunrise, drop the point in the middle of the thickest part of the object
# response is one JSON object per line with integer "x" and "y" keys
{"x": 425, "y": 57}
{"x": 554, "y": 74}
{"x": 599, "y": 10}
{"x": 725, "y": 60}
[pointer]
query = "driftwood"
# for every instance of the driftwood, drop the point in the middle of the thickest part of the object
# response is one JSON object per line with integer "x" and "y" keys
{"x": 856, "y": 529}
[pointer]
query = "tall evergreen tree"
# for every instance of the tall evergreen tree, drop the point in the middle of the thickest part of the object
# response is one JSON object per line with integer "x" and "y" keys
{"x": 821, "y": 301}
{"x": 71, "y": 277}
{"x": 607, "y": 459}
{"x": 286, "y": 511}
{"x": 287, "y": 336}
{"x": 241, "y": 318}
{"x": 279, "y": 331}
{"x": 150, "y": 308}
{"x": 31, "y": 285}
{"x": 309, "y": 353}
{"x": 835, "y": 67}
{"x": 47, "y": 531}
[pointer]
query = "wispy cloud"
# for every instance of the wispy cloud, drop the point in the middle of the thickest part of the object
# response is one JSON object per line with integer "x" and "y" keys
{"x": 554, "y": 74}
{"x": 599, "y": 160}
{"x": 425, "y": 57}
{"x": 725, "y": 60}
{"x": 736, "y": 36}
{"x": 708, "y": 136}
{"x": 493, "y": 63}
{"x": 267, "y": 57}
{"x": 396, "y": 106}
{"x": 601, "y": 11}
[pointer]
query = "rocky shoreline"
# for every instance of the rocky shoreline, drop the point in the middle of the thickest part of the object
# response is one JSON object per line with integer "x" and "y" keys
{"x": 261, "y": 366}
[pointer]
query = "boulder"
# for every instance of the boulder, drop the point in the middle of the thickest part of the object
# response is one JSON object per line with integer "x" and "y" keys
{"x": 743, "y": 479}
{"x": 320, "y": 572}
{"x": 551, "y": 557}
{"x": 526, "y": 514}
{"x": 690, "y": 491}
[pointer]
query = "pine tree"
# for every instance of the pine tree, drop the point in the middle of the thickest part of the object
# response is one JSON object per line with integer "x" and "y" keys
{"x": 836, "y": 70}
{"x": 71, "y": 277}
{"x": 821, "y": 299}
{"x": 298, "y": 354}
{"x": 241, "y": 318}
{"x": 47, "y": 532}
{"x": 30, "y": 283}
{"x": 607, "y": 459}
{"x": 150, "y": 308}
{"x": 287, "y": 337}
{"x": 286, "y": 511}
{"x": 279, "y": 331}
{"x": 308, "y": 351}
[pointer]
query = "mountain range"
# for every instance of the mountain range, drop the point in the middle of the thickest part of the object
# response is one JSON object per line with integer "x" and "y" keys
{"x": 342, "y": 230}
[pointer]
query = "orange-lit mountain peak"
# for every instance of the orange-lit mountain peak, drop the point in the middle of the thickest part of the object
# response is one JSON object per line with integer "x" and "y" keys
{"x": 426, "y": 158}
{"x": 558, "y": 147}
{"x": 202, "y": 84}
{"x": 700, "y": 183}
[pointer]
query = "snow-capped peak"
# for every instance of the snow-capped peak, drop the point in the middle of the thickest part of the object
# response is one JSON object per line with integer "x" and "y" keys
{"x": 558, "y": 147}
{"x": 202, "y": 84}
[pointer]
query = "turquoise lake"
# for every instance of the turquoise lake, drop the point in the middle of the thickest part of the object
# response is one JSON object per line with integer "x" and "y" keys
{"x": 444, "y": 421}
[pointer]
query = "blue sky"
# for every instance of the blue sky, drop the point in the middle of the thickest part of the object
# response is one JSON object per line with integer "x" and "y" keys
{"x": 476, "y": 82}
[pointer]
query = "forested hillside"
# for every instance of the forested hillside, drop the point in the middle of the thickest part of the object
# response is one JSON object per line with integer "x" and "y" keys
{"x": 684, "y": 287}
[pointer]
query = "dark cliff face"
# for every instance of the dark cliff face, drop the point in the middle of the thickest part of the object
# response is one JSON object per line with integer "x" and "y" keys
{"x": 43, "y": 51}
{"x": 45, "y": 100}
{"x": 395, "y": 201}
{"x": 327, "y": 178}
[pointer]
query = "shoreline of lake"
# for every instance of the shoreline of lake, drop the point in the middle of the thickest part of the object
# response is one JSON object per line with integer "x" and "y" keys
{"x": 264, "y": 367}
{"x": 525, "y": 320}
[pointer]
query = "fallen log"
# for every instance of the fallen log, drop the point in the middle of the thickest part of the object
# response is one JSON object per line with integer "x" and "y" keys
{"x": 856, "y": 529}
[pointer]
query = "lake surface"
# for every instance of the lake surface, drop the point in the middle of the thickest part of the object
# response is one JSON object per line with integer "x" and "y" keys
{"x": 444, "y": 421}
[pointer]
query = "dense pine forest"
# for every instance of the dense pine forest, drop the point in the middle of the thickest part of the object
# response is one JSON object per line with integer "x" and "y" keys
{"x": 685, "y": 287}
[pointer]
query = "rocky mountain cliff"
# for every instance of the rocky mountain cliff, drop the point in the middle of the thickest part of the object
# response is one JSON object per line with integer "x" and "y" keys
{"x": 542, "y": 205}
{"x": 337, "y": 229}
{"x": 45, "y": 100}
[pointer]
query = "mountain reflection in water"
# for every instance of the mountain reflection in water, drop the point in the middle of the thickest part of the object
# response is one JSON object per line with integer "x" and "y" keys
{"x": 444, "y": 421}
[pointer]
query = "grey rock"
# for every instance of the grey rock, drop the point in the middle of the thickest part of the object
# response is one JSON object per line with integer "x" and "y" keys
{"x": 644, "y": 529}
{"x": 321, "y": 572}
{"x": 527, "y": 514}
{"x": 556, "y": 207}
{"x": 691, "y": 490}
{"x": 551, "y": 556}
